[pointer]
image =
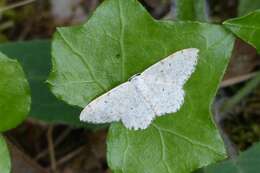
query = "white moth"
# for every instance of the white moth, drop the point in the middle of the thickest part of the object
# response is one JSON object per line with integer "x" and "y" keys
{"x": 155, "y": 92}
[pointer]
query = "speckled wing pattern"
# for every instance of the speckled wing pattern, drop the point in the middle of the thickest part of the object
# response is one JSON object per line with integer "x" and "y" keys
{"x": 155, "y": 92}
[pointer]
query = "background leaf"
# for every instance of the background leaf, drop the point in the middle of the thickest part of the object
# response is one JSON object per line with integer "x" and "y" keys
{"x": 247, "y": 162}
{"x": 14, "y": 94}
{"x": 120, "y": 40}
{"x": 5, "y": 162}
{"x": 247, "y": 28}
{"x": 246, "y": 6}
{"x": 36, "y": 60}
{"x": 191, "y": 10}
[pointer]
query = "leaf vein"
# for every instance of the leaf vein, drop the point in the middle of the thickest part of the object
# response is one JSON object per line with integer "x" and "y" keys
{"x": 84, "y": 62}
{"x": 125, "y": 152}
{"x": 73, "y": 82}
{"x": 187, "y": 139}
{"x": 163, "y": 149}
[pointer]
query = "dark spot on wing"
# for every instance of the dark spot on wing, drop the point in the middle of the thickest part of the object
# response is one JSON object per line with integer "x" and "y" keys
{"x": 132, "y": 108}
{"x": 105, "y": 102}
{"x": 170, "y": 64}
{"x": 134, "y": 76}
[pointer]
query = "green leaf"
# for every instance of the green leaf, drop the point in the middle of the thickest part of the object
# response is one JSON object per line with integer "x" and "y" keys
{"x": 247, "y": 28}
{"x": 247, "y": 162}
{"x": 121, "y": 39}
{"x": 36, "y": 60}
{"x": 15, "y": 97}
{"x": 191, "y": 10}
{"x": 5, "y": 162}
{"x": 246, "y": 6}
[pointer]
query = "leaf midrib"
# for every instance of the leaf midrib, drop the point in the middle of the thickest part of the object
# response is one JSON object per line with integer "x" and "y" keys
{"x": 121, "y": 41}
{"x": 242, "y": 26}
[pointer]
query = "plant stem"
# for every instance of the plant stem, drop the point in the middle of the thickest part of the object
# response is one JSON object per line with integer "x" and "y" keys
{"x": 247, "y": 89}
{"x": 6, "y": 25}
{"x": 15, "y": 5}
